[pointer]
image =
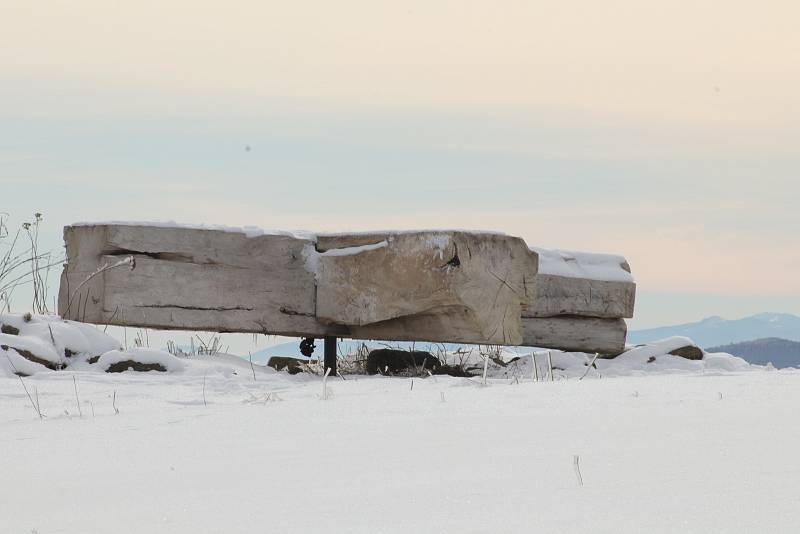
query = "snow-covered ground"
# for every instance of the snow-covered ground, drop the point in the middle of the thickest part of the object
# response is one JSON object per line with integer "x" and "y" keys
{"x": 666, "y": 446}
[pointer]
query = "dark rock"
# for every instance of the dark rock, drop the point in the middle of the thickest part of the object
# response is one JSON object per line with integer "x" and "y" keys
{"x": 400, "y": 360}
{"x": 123, "y": 366}
{"x": 690, "y": 352}
{"x": 456, "y": 370}
{"x": 651, "y": 359}
{"x": 612, "y": 355}
{"x": 10, "y": 330}
{"x": 93, "y": 359}
{"x": 292, "y": 365}
{"x": 28, "y": 355}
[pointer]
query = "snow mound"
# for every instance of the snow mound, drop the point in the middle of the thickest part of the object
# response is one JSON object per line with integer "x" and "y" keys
{"x": 32, "y": 344}
{"x": 35, "y": 343}
{"x": 37, "y": 349}
{"x": 67, "y": 338}
{"x": 652, "y": 358}
{"x": 164, "y": 361}
{"x": 13, "y": 363}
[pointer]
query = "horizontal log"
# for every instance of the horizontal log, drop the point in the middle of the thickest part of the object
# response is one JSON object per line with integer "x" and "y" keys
{"x": 581, "y": 283}
{"x": 189, "y": 278}
{"x": 563, "y": 295}
{"x": 583, "y": 334}
{"x": 580, "y": 334}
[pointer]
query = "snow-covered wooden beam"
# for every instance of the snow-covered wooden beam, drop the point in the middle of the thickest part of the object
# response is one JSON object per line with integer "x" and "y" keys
{"x": 580, "y": 283}
{"x": 443, "y": 286}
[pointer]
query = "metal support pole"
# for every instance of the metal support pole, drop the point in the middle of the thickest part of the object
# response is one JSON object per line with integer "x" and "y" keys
{"x": 330, "y": 354}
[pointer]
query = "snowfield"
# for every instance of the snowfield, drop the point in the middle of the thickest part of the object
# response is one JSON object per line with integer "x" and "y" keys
{"x": 667, "y": 446}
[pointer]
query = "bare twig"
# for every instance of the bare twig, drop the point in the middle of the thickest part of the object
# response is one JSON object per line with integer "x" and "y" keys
{"x": 23, "y": 267}
{"x": 77, "y": 400}
{"x": 591, "y": 363}
{"x": 110, "y": 319}
{"x": 251, "y": 366}
{"x": 130, "y": 260}
{"x": 21, "y": 381}
{"x": 36, "y": 396}
{"x": 576, "y": 463}
{"x": 325, "y": 383}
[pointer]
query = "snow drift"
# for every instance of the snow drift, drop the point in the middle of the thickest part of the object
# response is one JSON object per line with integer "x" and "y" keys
{"x": 46, "y": 344}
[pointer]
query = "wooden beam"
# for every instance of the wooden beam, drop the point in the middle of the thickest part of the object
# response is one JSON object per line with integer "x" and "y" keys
{"x": 223, "y": 281}
{"x": 562, "y": 295}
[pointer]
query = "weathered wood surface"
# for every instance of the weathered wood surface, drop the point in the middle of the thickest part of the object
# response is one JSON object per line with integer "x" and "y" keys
{"x": 203, "y": 279}
{"x": 562, "y": 295}
{"x": 550, "y": 294}
{"x": 580, "y": 334}
{"x": 583, "y": 334}
{"x": 487, "y": 276}
{"x": 191, "y": 279}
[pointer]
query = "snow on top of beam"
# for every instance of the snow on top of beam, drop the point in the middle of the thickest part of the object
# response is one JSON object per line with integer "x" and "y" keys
{"x": 392, "y": 232}
{"x": 350, "y": 251}
{"x": 593, "y": 266}
{"x": 249, "y": 231}
{"x": 255, "y": 231}
{"x": 570, "y": 264}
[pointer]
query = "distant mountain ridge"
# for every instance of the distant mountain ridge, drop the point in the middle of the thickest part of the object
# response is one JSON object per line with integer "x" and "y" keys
{"x": 779, "y": 352}
{"x": 715, "y": 331}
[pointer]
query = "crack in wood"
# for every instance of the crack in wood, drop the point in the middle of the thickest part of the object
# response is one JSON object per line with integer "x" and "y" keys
{"x": 177, "y": 257}
{"x": 288, "y": 311}
{"x": 197, "y": 308}
{"x": 503, "y": 281}
{"x": 455, "y": 261}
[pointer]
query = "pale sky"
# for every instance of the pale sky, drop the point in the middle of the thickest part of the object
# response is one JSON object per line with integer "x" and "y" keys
{"x": 668, "y": 132}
